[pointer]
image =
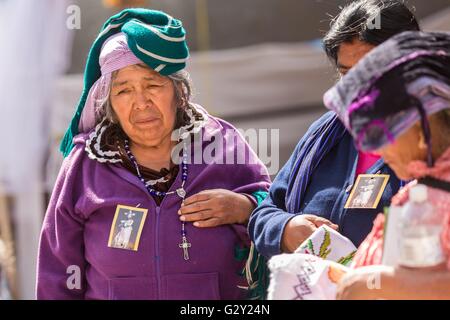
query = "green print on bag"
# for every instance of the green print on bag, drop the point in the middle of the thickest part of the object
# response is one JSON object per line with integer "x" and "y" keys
{"x": 326, "y": 249}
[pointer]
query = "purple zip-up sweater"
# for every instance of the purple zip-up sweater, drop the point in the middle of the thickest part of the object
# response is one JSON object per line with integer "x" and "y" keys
{"x": 77, "y": 225}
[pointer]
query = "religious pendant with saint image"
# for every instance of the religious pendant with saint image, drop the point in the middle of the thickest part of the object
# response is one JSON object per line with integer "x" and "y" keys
{"x": 367, "y": 191}
{"x": 126, "y": 227}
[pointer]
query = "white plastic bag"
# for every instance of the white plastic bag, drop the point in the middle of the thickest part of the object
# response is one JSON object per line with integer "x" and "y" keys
{"x": 312, "y": 272}
{"x": 300, "y": 276}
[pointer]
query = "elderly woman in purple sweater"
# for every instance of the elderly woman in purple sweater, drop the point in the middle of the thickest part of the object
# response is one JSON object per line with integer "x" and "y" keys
{"x": 134, "y": 214}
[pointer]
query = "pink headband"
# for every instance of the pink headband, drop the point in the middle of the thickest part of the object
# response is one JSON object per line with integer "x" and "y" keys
{"x": 115, "y": 55}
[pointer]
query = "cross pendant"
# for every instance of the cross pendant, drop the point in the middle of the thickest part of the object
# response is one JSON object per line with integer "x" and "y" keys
{"x": 185, "y": 245}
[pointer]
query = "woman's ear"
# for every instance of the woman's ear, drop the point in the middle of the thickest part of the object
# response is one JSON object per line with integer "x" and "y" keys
{"x": 422, "y": 143}
{"x": 179, "y": 96}
{"x": 184, "y": 100}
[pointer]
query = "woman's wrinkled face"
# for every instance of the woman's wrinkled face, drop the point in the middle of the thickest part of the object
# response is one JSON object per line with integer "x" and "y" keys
{"x": 143, "y": 102}
{"x": 408, "y": 147}
{"x": 350, "y": 53}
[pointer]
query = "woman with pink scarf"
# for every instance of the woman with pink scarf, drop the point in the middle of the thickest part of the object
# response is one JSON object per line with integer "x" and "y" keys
{"x": 396, "y": 103}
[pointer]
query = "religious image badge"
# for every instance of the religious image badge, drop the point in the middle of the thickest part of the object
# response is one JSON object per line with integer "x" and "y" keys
{"x": 126, "y": 227}
{"x": 367, "y": 191}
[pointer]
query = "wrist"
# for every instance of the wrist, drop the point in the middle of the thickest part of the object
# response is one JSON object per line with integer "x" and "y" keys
{"x": 285, "y": 237}
{"x": 245, "y": 208}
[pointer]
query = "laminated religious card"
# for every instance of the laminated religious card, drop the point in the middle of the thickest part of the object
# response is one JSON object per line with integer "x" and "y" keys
{"x": 126, "y": 228}
{"x": 367, "y": 191}
{"x": 329, "y": 244}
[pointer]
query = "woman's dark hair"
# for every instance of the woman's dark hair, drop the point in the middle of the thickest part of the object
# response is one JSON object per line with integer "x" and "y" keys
{"x": 370, "y": 21}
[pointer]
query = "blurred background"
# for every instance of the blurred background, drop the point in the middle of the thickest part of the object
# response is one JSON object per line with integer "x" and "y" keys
{"x": 256, "y": 63}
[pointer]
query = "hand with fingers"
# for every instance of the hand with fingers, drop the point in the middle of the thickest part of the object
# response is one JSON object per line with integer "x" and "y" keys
{"x": 300, "y": 228}
{"x": 212, "y": 208}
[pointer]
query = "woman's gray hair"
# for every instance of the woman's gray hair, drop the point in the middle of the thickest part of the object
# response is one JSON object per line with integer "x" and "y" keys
{"x": 182, "y": 84}
{"x": 183, "y": 87}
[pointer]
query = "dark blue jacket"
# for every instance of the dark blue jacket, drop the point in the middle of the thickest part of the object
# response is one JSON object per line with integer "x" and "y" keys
{"x": 325, "y": 196}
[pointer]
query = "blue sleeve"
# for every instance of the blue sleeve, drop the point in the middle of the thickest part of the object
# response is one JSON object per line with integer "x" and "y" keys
{"x": 268, "y": 220}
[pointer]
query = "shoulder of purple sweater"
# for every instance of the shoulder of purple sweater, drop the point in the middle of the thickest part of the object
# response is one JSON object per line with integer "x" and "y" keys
{"x": 78, "y": 153}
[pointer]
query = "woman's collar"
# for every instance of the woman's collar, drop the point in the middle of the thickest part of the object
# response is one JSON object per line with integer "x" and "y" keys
{"x": 197, "y": 120}
{"x": 441, "y": 169}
